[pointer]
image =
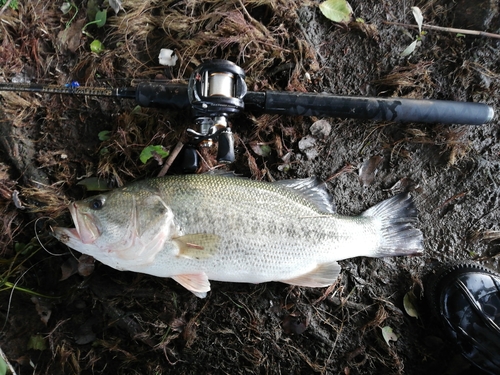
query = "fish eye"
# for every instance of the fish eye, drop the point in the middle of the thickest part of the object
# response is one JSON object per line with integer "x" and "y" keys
{"x": 96, "y": 204}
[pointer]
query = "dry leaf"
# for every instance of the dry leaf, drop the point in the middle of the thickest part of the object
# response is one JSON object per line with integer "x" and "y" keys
{"x": 369, "y": 169}
{"x": 86, "y": 265}
{"x": 43, "y": 308}
{"x": 70, "y": 39}
{"x": 409, "y": 50}
{"x": 417, "y": 13}
{"x": 69, "y": 268}
{"x": 408, "y": 304}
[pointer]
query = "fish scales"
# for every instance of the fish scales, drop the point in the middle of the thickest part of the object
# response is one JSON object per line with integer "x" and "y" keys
{"x": 196, "y": 228}
{"x": 271, "y": 234}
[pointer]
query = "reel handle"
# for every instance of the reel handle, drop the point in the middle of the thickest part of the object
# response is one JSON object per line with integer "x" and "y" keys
{"x": 225, "y": 151}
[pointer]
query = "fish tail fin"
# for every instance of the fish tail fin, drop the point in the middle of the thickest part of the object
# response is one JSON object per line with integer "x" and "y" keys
{"x": 397, "y": 217}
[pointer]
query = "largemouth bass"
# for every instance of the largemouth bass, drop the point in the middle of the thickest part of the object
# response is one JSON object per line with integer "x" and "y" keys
{"x": 196, "y": 228}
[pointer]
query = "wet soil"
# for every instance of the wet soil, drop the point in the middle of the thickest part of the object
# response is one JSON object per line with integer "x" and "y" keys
{"x": 64, "y": 315}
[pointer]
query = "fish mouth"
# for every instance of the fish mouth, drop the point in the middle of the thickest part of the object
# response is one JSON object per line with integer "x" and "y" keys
{"x": 85, "y": 226}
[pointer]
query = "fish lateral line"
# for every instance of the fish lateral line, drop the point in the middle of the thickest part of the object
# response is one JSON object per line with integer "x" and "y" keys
{"x": 315, "y": 216}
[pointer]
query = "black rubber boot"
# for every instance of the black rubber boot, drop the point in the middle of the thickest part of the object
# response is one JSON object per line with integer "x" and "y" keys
{"x": 466, "y": 298}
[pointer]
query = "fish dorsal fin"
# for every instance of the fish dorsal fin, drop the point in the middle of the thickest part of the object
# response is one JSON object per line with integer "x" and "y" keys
{"x": 323, "y": 275}
{"x": 197, "y": 283}
{"x": 313, "y": 190}
{"x": 197, "y": 245}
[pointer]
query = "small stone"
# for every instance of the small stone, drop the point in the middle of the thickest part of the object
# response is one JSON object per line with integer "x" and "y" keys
{"x": 307, "y": 142}
{"x": 321, "y": 129}
{"x": 311, "y": 153}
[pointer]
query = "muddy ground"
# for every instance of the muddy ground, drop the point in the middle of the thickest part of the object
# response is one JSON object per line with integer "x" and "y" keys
{"x": 64, "y": 317}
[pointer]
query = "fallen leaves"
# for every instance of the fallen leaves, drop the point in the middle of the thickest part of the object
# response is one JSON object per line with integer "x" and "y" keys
{"x": 157, "y": 152}
{"x": 43, "y": 308}
{"x": 70, "y": 39}
{"x": 369, "y": 169}
{"x": 336, "y": 10}
{"x": 409, "y": 305}
{"x": 388, "y": 334}
{"x": 83, "y": 266}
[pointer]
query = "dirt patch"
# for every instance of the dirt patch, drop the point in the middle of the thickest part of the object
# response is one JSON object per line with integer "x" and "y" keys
{"x": 121, "y": 322}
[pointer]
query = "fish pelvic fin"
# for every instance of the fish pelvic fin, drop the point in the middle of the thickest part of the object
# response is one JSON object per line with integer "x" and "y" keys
{"x": 197, "y": 283}
{"x": 397, "y": 217}
{"x": 323, "y": 275}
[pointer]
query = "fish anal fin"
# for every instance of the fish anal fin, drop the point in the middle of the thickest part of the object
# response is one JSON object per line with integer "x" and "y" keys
{"x": 197, "y": 283}
{"x": 323, "y": 275}
{"x": 198, "y": 245}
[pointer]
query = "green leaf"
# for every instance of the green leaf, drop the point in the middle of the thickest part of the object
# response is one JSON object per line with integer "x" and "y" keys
{"x": 37, "y": 342}
{"x": 151, "y": 151}
{"x": 96, "y": 46}
{"x": 13, "y": 4}
{"x": 388, "y": 334}
{"x": 23, "y": 248}
{"x": 266, "y": 150}
{"x": 100, "y": 18}
{"x": 104, "y": 135}
{"x": 336, "y": 10}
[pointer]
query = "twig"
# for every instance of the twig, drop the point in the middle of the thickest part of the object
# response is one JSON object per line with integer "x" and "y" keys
{"x": 447, "y": 29}
{"x": 5, "y": 6}
{"x": 171, "y": 158}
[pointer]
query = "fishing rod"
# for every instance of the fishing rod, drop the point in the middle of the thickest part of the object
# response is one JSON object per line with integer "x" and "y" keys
{"x": 216, "y": 90}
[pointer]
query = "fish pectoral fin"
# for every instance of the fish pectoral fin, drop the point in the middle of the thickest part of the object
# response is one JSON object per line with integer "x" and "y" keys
{"x": 323, "y": 275}
{"x": 197, "y": 246}
{"x": 197, "y": 283}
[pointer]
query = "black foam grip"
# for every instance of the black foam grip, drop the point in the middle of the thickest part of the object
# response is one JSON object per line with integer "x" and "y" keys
{"x": 386, "y": 109}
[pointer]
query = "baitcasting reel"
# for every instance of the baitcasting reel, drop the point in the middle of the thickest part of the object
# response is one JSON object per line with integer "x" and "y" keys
{"x": 216, "y": 90}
